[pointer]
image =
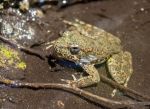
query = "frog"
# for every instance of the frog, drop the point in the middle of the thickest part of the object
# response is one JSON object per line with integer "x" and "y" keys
{"x": 88, "y": 45}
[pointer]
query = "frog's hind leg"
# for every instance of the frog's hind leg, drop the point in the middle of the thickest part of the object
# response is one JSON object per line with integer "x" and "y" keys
{"x": 86, "y": 29}
{"x": 120, "y": 68}
{"x": 81, "y": 26}
{"x": 77, "y": 23}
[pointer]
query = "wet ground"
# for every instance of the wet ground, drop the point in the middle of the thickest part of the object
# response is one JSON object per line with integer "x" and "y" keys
{"x": 127, "y": 19}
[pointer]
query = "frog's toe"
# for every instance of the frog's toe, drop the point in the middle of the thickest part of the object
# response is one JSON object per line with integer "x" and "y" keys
{"x": 70, "y": 82}
{"x": 74, "y": 78}
{"x": 66, "y": 81}
{"x": 113, "y": 93}
{"x": 48, "y": 47}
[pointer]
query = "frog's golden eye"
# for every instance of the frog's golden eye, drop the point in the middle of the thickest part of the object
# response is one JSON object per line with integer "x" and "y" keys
{"x": 74, "y": 49}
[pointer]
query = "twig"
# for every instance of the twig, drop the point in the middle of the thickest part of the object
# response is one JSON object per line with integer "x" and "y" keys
{"x": 124, "y": 89}
{"x": 89, "y": 96}
{"x": 22, "y": 48}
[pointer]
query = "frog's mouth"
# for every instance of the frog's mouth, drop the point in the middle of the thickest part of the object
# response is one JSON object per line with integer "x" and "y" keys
{"x": 88, "y": 59}
{"x": 51, "y": 51}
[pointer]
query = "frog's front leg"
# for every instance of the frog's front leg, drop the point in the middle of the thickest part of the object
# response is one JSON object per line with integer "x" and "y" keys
{"x": 120, "y": 68}
{"x": 91, "y": 79}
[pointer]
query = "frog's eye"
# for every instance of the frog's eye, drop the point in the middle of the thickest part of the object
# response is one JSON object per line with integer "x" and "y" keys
{"x": 74, "y": 49}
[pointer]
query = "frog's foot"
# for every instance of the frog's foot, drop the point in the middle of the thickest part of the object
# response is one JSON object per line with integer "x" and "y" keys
{"x": 66, "y": 81}
{"x": 77, "y": 23}
{"x": 49, "y": 46}
{"x": 92, "y": 78}
{"x": 72, "y": 24}
{"x": 113, "y": 92}
{"x": 120, "y": 68}
{"x": 69, "y": 81}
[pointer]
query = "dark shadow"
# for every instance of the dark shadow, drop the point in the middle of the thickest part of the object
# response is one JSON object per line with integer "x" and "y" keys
{"x": 51, "y": 61}
{"x": 103, "y": 16}
{"x": 37, "y": 44}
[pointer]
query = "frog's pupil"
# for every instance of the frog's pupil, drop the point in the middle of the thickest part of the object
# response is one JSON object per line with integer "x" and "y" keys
{"x": 74, "y": 50}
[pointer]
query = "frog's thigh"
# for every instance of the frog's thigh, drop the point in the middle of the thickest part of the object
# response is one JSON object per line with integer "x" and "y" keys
{"x": 120, "y": 67}
{"x": 91, "y": 79}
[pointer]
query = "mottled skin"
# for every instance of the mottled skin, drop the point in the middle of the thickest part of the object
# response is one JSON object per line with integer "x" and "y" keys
{"x": 93, "y": 45}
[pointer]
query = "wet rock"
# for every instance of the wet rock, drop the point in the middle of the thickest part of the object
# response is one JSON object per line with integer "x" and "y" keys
{"x": 16, "y": 28}
{"x": 20, "y": 27}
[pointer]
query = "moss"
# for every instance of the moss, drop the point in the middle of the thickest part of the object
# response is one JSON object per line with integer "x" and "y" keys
{"x": 21, "y": 65}
{"x": 10, "y": 58}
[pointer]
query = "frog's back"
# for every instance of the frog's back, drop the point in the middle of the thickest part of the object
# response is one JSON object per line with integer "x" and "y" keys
{"x": 106, "y": 43}
{"x": 94, "y": 41}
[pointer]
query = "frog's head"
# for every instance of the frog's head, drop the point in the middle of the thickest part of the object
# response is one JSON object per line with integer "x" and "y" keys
{"x": 71, "y": 47}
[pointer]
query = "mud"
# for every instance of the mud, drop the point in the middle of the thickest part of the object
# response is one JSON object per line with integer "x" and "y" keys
{"x": 127, "y": 19}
